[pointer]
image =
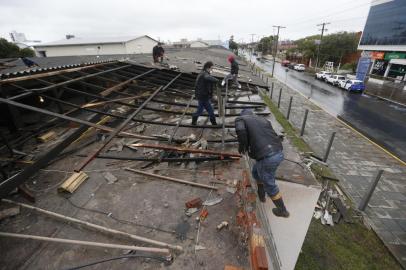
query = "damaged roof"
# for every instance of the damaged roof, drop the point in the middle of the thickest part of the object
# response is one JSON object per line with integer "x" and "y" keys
{"x": 122, "y": 132}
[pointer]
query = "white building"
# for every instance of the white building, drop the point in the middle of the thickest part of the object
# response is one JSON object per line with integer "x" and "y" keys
{"x": 97, "y": 46}
{"x": 198, "y": 44}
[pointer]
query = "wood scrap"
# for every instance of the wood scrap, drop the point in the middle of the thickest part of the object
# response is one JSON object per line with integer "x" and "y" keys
{"x": 49, "y": 136}
{"x": 73, "y": 182}
{"x": 9, "y": 212}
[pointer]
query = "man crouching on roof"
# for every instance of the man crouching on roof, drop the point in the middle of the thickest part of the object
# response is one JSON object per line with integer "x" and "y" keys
{"x": 257, "y": 137}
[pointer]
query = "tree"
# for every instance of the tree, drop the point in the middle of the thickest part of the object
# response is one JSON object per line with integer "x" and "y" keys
{"x": 333, "y": 46}
{"x": 10, "y": 50}
{"x": 232, "y": 45}
{"x": 27, "y": 52}
{"x": 265, "y": 45}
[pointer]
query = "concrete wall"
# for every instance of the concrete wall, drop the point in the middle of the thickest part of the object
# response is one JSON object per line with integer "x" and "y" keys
{"x": 140, "y": 45}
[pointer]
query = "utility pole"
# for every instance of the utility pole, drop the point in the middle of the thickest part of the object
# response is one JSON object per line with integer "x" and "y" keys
{"x": 276, "y": 46}
{"x": 323, "y": 25}
{"x": 252, "y": 42}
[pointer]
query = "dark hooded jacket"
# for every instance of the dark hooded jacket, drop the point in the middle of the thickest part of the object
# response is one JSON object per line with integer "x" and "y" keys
{"x": 257, "y": 136}
{"x": 204, "y": 86}
{"x": 234, "y": 67}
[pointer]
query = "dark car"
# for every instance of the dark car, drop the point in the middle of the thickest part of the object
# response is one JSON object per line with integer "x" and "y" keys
{"x": 291, "y": 65}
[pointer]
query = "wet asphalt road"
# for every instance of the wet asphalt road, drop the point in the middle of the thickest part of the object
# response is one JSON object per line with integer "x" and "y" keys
{"x": 382, "y": 121}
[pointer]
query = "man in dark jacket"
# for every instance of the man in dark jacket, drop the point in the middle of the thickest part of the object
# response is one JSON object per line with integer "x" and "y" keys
{"x": 158, "y": 52}
{"x": 204, "y": 92}
{"x": 257, "y": 137}
{"x": 234, "y": 72}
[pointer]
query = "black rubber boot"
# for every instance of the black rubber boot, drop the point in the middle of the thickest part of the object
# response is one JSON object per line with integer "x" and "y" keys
{"x": 280, "y": 210}
{"x": 213, "y": 121}
{"x": 194, "y": 120}
{"x": 261, "y": 192}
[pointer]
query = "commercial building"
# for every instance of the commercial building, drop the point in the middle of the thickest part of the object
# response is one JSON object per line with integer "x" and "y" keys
{"x": 384, "y": 39}
{"x": 97, "y": 46}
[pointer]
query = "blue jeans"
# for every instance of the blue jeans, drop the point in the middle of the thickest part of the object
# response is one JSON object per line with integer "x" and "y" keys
{"x": 204, "y": 104}
{"x": 264, "y": 172}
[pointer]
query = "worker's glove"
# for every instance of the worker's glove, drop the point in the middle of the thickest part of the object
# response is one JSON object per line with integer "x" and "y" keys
{"x": 242, "y": 149}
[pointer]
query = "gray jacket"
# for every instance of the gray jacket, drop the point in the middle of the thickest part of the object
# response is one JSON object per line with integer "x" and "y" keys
{"x": 256, "y": 135}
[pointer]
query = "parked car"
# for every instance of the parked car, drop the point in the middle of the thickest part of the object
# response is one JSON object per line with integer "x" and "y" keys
{"x": 335, "y": 79}
{"x": 299, "y": 67}
{"x": 353, "y": 85}
{"x": 291, "y": 65}
{"x": 323, "y": 75}
{"x": 285, "y": 63}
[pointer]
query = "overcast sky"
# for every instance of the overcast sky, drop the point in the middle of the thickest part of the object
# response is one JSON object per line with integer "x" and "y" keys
{"x": 50, "y": 20}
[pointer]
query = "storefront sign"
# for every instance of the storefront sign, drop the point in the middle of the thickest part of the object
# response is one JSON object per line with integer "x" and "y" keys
{"x": 362, "y": 68}
{"x": 389, "y": 56}
{"x": 377, "y": 55}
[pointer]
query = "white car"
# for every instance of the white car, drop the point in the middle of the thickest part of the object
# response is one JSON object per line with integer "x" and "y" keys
{"x": 335, "y": 79}
{"x": 299, "y": 67}
{"x": 323, "y": 75}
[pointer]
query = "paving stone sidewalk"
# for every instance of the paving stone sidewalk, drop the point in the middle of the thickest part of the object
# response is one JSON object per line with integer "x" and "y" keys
{"x": 356, "y": 162}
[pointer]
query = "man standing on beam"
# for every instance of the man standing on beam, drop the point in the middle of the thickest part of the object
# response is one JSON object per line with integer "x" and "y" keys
{"x": 204, "y": 92}
{"x": 257, "y": 137}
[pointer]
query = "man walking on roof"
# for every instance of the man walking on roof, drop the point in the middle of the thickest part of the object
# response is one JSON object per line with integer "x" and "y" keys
{"x": 234, "y": 72}
{"x": 257, "y": 137}
{"x": 204, "y": 92}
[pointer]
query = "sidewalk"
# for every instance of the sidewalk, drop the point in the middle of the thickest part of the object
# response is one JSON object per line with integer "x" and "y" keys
{"x": 356, "y": 161}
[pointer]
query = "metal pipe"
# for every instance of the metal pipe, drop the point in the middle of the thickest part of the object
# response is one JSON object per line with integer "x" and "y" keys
{"x": 304, "y": 123}
{"x": 279, "y": 98}
{"x": 330, "y": 143}
{"x": 368, "y": 194}
{"x": 289, "y": 108}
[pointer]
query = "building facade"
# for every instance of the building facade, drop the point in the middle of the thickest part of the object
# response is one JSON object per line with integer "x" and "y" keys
{"x": 97, "y": 46}
{"x": 383, "y": 40}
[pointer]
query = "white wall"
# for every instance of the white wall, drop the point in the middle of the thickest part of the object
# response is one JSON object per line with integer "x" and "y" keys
{"x": 140, "y": 45}
{"x": 84, "y": 49}
{"x": 198, "y": 44}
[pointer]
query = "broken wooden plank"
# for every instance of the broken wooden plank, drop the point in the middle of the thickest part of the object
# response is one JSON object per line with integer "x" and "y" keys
{"x": 188, "y": 150}
{"x": 9, "y": 212}
{"x": 49, "y": 136}
{"x": 86, "y": 243}
{"x": 171, "y": 179}
{"x": 73, "y": 182}
{"x": 96, "y": 227}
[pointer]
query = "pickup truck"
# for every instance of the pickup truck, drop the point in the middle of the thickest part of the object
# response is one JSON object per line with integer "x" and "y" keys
{"x": 299, "y": 67}
{"x": 353, "y": 85}
{"x": 323, "y": 75}
{"x": 335, "y": 79}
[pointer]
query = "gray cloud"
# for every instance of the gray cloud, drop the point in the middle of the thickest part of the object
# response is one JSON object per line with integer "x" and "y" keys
{"x": 49, "y": 20}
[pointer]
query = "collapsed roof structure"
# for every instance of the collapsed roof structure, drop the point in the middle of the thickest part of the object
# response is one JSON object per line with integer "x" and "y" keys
{"x": 100, "y": 134}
